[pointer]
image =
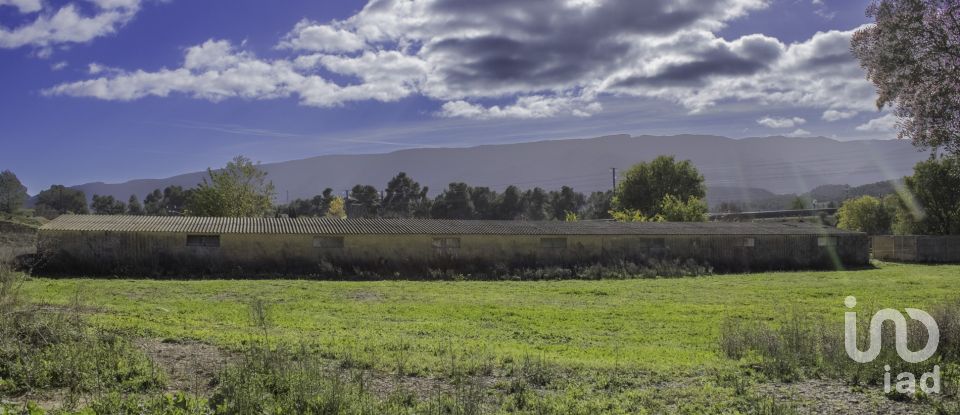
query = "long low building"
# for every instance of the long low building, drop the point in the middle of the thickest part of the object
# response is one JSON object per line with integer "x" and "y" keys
{"x": 191, "y": 246}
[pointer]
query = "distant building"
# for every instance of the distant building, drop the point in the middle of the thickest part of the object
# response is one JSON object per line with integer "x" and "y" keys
{"x": 190, "y": 246}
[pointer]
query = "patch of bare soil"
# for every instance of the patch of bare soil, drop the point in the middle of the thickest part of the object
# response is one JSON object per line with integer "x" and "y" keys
{"x": 835, "y": 397}
{"x": 190, "y": 366}
{"x": 363, "y": 295}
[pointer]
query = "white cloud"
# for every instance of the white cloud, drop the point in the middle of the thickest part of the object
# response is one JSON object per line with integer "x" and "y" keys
{"x": 800, "y": 132}
{"x": 310, "y": 36}
{"x": 781, "y": 122}
{"x": 24, "y": 6}
{"x": 835, "y": 115}
{"x": 464, "y": 53}
{"x": 884, "y": 124}
{"x": 59, "y": 66}
{"x": 525, "y": 107}
{"x": 68, "y": 25}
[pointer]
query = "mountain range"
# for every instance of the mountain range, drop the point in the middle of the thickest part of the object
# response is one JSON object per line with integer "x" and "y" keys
{"x": 735, "y": 169}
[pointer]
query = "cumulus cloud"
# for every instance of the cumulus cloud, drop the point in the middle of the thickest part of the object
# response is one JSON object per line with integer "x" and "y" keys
{"x": 24, "y": 6}
{"x": 781, "y": 122}
{"x": 884, "y": 124}
{"x": 800, "y": 132}
{"x": 310, "y": 36}
{"x": 835, "y": 115}
{"x": 525, "y": 107}
{"x": 67, "y": 24}
{"x": 548, "y": 58}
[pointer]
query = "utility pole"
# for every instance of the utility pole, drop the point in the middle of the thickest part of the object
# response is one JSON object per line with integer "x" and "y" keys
{"x": 613, "y": 170}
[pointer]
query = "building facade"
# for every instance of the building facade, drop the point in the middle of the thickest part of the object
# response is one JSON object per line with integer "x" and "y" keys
{"x": 189, "y": 246}
{"x": 917, "y": 248}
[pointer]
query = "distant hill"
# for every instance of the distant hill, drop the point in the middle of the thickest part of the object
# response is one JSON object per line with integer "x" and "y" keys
{"x": 735, "y": 169}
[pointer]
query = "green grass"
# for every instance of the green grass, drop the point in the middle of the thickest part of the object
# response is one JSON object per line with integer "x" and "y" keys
{"x": 657, "y": 325}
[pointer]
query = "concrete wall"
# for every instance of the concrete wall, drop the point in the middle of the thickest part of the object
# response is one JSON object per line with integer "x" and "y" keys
{"x": 916, "y": 248}
{"x": 87, "y": 253}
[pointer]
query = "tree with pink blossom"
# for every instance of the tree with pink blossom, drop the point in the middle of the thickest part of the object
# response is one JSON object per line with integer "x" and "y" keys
{"x": 912, "y": 55}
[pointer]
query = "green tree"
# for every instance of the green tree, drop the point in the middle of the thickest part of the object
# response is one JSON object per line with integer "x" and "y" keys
{"x": 933, "y": 199}
{"x": 799, "y": 203}
{"x": 107, "y": 205}
{"x": 13, "y": 194}
{"x": 864, "y": 214}
{"x": 599, "y": 205}
{"x": 402, "y": 197}
{"x": 153, "y": 203}
{"x": 536, "y": 204}
{"x": 672, "y": 209}
{"x": 240, "y": 189}
{"x": 645, "y": 185}
{"x": 133, "y": 206}
{"x": 566, "y": 201}
{"x": 454, "y": 203}
{"x": 484, "y": 202}
{"x": 58, "y": 200}
{"x": 364, "y": 201}
{"x": 510, "y": 204}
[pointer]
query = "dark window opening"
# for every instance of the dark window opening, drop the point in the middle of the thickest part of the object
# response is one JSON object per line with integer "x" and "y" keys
{"x": 209, "y": 241}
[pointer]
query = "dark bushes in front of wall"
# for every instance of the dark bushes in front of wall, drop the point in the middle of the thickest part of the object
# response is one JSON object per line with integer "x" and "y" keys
{"x": 165, "y": 265}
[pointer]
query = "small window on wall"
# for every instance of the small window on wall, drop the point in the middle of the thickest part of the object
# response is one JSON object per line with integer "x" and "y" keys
{"x": 446, "y": 246}
{"x": 828, "y": 241}
{"x": 748, "y": 242}
{"x": 209, "y": 241}
{"x": 328, "y": 242}
{"x": 553, "y": 243}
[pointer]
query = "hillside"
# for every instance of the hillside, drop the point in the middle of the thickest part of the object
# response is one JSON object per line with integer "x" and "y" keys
{"x": 735, "y": 169}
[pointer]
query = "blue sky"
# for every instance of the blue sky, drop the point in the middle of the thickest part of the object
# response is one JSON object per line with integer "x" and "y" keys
{"x": 112, "y": 90}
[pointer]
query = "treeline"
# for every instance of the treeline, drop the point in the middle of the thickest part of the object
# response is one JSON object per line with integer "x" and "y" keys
{"x": 661, "y": 190}
{"x": 401, "y": 198}
{"x": 405, "y": 198}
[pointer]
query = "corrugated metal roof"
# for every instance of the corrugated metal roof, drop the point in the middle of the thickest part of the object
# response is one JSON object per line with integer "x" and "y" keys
{"x": 333, "y": 226}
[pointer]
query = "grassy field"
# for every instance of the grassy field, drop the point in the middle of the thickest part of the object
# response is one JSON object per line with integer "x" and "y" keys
{"x": 657, "y": 330}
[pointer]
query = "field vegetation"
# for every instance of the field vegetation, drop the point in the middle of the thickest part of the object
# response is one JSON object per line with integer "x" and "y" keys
{"x": 711, "y": 344}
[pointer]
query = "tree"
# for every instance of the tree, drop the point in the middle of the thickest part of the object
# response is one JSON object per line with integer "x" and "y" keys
{"x": 13, "y": 194}
{"x": 337, "y": 208}
{"x": 933, "y": 200}
{"x": 364, "y": 201}
{"x": 672, "y": 209}
{"x": 912, "y": 56}
{"x": 537, "y": 204}
{"x": 484, "y": 202}
{"x": 321, "y": 202}
{"x": 799, "y": 203}
{"x": 133, "y": 206}
{"x": 153, "y": 203}
{"x": 566, "y": 201}
{"x": 645, "y": 185}
{"x": 58, "y": 200}
{"x": 510, "y": 204}
{"x": 403, "y": 196}
{"x": 599, "y": 205}
{"x": 107, "y": 205}
{"x": 240, "y": 189}
{"x": 864, "y": 214}
{"x": 454, "y": 203}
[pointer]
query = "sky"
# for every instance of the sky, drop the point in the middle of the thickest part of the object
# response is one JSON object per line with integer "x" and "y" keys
{"x": 113, "y": 90}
